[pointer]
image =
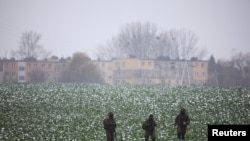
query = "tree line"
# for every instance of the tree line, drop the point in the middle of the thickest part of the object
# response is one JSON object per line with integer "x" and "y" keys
{"x": 228, "y": 73}
{"x": 144, "y": 41}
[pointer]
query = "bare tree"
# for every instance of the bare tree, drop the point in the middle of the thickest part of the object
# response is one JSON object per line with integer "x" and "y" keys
{"x": 145, "y": 42}
{"x": 241, "y": 61}
{"x": 29, "y": 47}
{"x": 234, "y": 72}
{"x": 185, "y": 45}
{"x": 134, "y": 39}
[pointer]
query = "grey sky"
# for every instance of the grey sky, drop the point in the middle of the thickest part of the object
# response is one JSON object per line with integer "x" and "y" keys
{"x": 68, "y": 26}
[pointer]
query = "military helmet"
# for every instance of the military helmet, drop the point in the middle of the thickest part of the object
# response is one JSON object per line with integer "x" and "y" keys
{"x": 110, "y": 114}
{"x": 183, "y": 111}
{"x": 151, "y": 116}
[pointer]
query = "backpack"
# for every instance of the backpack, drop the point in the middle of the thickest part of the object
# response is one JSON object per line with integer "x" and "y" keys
{"x": 144, "y": 126}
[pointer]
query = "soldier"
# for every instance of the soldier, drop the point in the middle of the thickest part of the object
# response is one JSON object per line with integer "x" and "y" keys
{"x": 181, "y": 122}
{"x": 149, "y": 127}
{"x": 110, "y": 125}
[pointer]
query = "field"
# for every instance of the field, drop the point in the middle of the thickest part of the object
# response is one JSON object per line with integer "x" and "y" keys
{"x": 76, "y": 111}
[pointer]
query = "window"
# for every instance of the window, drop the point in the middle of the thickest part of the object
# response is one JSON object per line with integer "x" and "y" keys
{"x": 110, "y": 77}
{"x": 203, "y": 74}
{"x": 21, "y": 68}
{"x": 172, "y": 66}
{"x": 142, "y": 73}
{"x": 103, "y": 74}
{"x": 13, "y": 74}
{"x": 142, "y": 63}
{"x": 163, "y": 74}
{"x": 13, "y": 65}
{"x": 196, "y": 74}
{"x": 202, "y": 65}
{"x": 149, "y": 63}
{"x": 163, "y": 66}
{"x": 49, "y": 65}
{"x": 176, "y": 73}
{"x": 117, "y": 64}
{"x": 21, "y": 77}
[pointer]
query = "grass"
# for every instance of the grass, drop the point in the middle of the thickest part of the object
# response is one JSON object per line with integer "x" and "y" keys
{"x": 76, "y": 111}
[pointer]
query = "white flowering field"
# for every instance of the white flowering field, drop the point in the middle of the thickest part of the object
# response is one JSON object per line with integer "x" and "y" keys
{"x": 76, "y": 111}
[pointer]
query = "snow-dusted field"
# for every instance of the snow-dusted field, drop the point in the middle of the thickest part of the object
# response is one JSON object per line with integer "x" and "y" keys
{"x": 76, "y": 111}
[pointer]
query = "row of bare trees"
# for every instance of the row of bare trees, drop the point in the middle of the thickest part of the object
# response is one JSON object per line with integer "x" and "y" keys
{"x": 144, "y": 41}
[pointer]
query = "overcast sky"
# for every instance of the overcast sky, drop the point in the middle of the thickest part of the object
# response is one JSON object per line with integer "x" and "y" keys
{"x": 68, "y": 26}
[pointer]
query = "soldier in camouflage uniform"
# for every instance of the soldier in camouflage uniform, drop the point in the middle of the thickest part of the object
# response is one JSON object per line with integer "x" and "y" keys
{"x": 149, "y": 127}
{"x": 181, "y": 122}
{"x": 110, "y": 125}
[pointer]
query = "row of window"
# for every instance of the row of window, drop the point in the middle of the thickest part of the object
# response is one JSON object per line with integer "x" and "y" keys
{"x": 56, "y": 69}
{"x": 152, "y": 74}
{"x": 147, "y": 81}
{"x": 43, "y": 65}
{"x": 13, "y": 65}
{"x": 160, "y": 65}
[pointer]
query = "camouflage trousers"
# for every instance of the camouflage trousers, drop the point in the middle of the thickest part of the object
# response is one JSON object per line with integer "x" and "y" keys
{"x": 149, "y": 134}
{"x": 181, "y": 132}
{"x": 110, "y": 135}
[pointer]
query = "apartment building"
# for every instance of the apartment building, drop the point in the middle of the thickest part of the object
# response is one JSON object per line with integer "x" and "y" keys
{"x": 30, "y": 70}
{"x": 40, "y": 70}
{"x": 143, "y": 71}
{"x": 8, "y": 70}
{"x": 115, "y": 71}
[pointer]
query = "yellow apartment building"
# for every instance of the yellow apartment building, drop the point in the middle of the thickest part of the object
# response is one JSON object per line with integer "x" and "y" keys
{"x": 148, "y": 71}
{"x": 133, "y": 70}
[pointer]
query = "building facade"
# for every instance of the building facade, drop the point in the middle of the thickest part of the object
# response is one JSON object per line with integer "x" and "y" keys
{"x": 115, "y": 71}
{"x": 30, "y": 70}
{"x": 147, "y": 71}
